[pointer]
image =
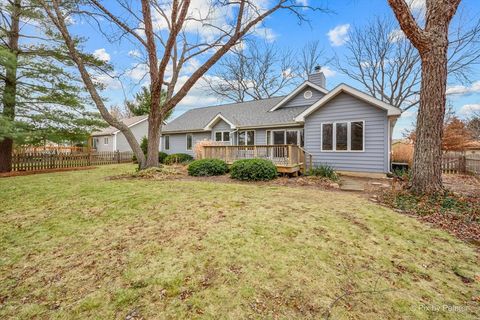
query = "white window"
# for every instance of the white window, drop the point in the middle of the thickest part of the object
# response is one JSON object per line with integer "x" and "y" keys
{"x": 222, "y": 136}
{"x": 246, "y": 138}
{"x": 189, "y": 141}
{"x": 105, "y": 141}
{"x": 285, "y": 137}
{"x": 167, "y": 142}
{"x": 343, "y": 136}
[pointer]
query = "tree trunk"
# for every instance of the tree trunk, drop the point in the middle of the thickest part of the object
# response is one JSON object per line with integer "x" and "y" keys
{"x": 427, "y": 164}
{"x": 10, "y": 89}
{"x": 153, "y": 141}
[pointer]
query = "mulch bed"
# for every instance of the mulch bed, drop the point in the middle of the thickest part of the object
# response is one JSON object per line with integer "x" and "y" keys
{"x": 27, "y": 173}
{"x": 467, "y": 231}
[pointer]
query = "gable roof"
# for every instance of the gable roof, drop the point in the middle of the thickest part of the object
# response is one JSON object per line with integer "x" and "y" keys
{"x": 130, "y": 122}
{"x": 297, "y": 91}
{"x": 214, "y": 121}
{"x": 241, "y": 115}
{"x": 391, "y": 110}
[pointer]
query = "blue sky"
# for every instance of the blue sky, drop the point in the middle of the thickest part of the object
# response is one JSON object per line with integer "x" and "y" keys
{"x": 283, "y": 30}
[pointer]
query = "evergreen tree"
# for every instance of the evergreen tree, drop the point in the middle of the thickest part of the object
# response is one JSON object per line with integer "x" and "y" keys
{"x": 143, "y": 100}
{"x": 41, "y": 99}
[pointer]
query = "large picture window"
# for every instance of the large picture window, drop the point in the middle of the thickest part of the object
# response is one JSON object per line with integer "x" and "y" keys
{"x": 246, "y": 138}
{"x": 294, "y": 137}
{"x": 343, "y": 136}
{"x": 189, "y": 141}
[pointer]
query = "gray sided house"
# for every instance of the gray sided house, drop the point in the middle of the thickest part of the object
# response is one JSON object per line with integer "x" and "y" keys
{"x": 111, "y": 139}
{"x": 345, "y": 128}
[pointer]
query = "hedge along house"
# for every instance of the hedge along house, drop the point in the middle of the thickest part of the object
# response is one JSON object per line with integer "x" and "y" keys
{"x": 345, "y": 128}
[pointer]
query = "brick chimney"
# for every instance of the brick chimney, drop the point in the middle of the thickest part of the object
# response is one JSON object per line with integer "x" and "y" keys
{"x": 318, "y": 77}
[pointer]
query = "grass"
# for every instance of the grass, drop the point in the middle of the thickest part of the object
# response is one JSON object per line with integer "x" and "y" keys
{"x": 77, "y": 245}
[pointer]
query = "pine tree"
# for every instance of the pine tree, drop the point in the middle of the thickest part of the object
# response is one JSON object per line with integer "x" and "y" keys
{"x": 143, "y": 100}
{"x": 41, "y": 100}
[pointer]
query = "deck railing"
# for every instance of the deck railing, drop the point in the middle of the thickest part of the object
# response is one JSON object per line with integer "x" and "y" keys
{"x": 280, "y": 155}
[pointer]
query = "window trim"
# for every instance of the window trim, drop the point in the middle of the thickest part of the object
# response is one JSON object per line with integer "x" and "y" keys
{"x": 246, "y": 140}
{"x": 349, "y": 136}
{"x": 107, "y": 141}
{"x": 166, "y": 145}
{"x": 186, "y": 142}
{"x": 299, "y": 140}
{"x": 222, "y": 132}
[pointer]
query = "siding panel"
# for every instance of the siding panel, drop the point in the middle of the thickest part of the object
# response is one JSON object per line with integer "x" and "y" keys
{"x": 139, "y": 131}
{"x": 178, "y": 142}
{"x": 347, "y": 108}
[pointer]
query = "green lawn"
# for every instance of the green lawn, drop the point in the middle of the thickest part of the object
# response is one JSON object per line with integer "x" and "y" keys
{"x": 78, "y": 245}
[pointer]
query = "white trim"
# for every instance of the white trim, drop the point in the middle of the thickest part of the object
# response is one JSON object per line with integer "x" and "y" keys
{"x": 388, "y": 145}
{"x": 186, "y": 142}
{"x": 219, "y": 116}
{"x": 115, "y": 142}
{"x": 391, "y": 110}
{"x": 222, "y": 132}
{"x": 296, "y": 91}
{"x": 349, "y": 138}
{"x": 245, "y": 144}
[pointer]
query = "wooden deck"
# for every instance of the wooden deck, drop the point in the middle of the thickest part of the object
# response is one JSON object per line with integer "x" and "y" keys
{"x": 287, "y": 158}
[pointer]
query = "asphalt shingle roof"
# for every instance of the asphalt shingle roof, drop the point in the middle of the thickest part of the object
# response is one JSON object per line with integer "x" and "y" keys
{"x": 245, "y": 114}
{"x": 110, "y": 130}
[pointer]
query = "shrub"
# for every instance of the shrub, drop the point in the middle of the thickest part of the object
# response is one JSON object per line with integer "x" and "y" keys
{"x": 325, "y": 171}
{"x": 207, "y": 167}
{"x": 178, "y": 158}
{"x": 162, "y": 156}
{"x": 253, "y": 170}
{"x": 144, "y": 145}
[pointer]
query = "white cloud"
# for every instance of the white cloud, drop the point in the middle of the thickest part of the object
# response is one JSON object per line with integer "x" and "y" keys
{"x": 470, "y": 108}
{"x": 328, "y": 72}
{"x": 460, "y": 90}
{"x": 408, "y": 114}
{"x": 266, "y": 33}
{"x": 108, "y": 82}
{"x": 302, "y": 2}
{"x": 138, "y": 72}
{"x": 396, "y": 35}
{"x": 102, "y": 54}
{"x": 339, "y": 35}
{"x": 134, "y": 53}
{"x": 417, "y": 5}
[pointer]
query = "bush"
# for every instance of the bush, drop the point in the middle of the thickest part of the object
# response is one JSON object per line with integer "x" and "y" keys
{"x": 253, "y": 170}
{"x": 178, "y": 158}
{"x": 144, "y": 145}
{"x": 207, "y": 167}
{"x": 162, "y": 156}
{"x": 325, "y": 171}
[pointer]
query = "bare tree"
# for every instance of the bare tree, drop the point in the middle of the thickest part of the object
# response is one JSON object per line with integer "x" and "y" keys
{"x": 256, "y": 72}
{"x": 311, "y": 56}
{"x": 431, "y": 42}
{"x": 385, "y": 62}
{"x": 169, "y": 32}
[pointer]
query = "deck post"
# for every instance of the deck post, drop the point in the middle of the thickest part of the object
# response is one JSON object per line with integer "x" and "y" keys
{"x": 290, "y": 154}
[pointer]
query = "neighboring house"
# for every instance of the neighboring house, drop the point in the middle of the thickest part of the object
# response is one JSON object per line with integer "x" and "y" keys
{"x": 111, "y": 139}
{"x": 345, "y": 128}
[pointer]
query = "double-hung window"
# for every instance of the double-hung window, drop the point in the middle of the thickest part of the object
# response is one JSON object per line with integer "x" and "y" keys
{"x": 343, "y": 136}
{"x": 189, "y": 141}
{"x": 246, "y": 138}
{"x": 222, "y": 136}
{"x": 105, "y": 141}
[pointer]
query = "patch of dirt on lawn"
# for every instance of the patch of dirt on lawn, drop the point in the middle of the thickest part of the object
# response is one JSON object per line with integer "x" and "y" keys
{"x": 160, "y": 173}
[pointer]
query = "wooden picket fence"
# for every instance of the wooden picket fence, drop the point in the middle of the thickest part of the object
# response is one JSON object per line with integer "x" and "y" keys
{"x": 463, "y": 164}
{"x": 37, "y": 161}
